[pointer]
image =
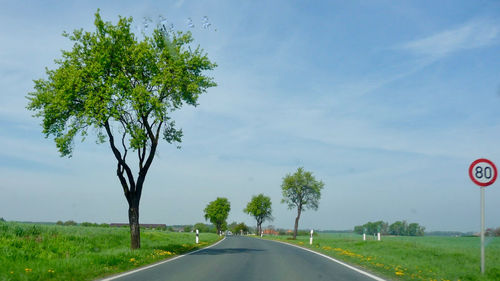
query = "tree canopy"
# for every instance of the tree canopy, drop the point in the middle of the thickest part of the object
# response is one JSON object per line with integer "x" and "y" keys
{"x": 124, "y": 89}
{"x": 217, "y": 212}
{"x": 371, "y": 228}
{"x": 302, "y": 191}
{"x": 260, "y": 208}
{"x": 239, "y": 228}
{"x": 402, "y": 228}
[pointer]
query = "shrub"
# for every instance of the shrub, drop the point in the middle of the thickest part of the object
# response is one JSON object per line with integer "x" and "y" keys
{"x": 70, "y": 222}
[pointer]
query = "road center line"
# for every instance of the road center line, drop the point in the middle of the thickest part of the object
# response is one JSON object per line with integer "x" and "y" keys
{"x": 158, "y": 263}
{"x": 332, "y": 259}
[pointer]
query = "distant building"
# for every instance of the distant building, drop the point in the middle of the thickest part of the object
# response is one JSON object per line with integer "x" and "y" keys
{"x": 270, "y": 232}
{"x": 145, "y": 225}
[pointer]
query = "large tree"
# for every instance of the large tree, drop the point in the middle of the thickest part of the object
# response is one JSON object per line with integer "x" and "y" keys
{"x": 217, "y": 212}
{"x": 302, "y": 191}
{"x": 124, "y": 88}
{"x": 260, "y": 208}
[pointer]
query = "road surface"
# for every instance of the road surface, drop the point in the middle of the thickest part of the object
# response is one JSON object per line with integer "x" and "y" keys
{"x": 246, "y": 258}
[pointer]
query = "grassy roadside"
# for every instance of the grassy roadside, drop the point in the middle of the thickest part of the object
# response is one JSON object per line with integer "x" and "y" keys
{"x": 410, "y": 258}
{"x": 41, "y": 252}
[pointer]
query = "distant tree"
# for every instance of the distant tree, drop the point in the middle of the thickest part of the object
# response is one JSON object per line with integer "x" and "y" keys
{"x": 282, "y": 231}
{"x": 372, "y": 228}
{"x": 59, "y": 223}
{"x": 402, "y": 228}
{"x": 359, "y": 229}
{"x": 125, "y": 90}
{"x": 302, "y": 191}
{"x": 398, "y": 228}
{"x": 232, "y": 226}
{"x": 260, "y": 208}
{"x": 414, "y": 229}
{"x": 187, "y": 228}
{"x": 202, "y": 227}
{"x": 2, "y": 220}
{"x": 217, "y": 212}
{"x": 70, "y": 222}
{"x": 239, "y": 228}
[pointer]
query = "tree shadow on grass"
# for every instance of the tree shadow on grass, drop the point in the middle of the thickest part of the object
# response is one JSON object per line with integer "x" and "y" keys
{"x": 227, "y": 251}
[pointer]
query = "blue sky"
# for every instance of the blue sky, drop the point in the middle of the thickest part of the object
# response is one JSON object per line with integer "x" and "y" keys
{"x": 387, "y": 102}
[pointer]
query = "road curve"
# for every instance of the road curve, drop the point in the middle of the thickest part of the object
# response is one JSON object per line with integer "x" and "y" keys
{"x": 246, "y": 258}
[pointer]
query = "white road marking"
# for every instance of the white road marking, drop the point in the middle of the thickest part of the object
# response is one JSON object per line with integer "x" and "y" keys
{"x": 162, "y": 262}
{"x": 332, "y": 259}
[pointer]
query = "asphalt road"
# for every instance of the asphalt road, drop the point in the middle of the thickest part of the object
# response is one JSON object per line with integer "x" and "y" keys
{"x": 246, "y": 258}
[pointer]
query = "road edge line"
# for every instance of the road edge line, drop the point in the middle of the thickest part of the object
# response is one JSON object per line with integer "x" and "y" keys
{"x": 158, "y": 263}
{"x": 332, "y": 259}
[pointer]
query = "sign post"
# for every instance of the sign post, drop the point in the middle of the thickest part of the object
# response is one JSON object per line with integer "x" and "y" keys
{"x": 483, "y": 173}
{"x": 311, "y": 238}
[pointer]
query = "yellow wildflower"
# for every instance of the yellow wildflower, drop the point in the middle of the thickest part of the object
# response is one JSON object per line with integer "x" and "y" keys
{"x": 28, "y": 270}
{"x": 132, "y": 260}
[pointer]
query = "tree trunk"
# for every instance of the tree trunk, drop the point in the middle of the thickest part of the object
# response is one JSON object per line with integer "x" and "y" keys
{"x": 133, "y": 218}
{"x": 296, "y": 223}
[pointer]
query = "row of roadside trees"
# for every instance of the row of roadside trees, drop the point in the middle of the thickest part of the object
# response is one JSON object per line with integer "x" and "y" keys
{"x": 300, "y": 190}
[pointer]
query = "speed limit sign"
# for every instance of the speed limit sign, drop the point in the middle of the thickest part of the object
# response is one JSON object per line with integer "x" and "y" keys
{"x": 483, "y": 172}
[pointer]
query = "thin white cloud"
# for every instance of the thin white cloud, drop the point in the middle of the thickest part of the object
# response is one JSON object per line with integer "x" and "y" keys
{"x": 474, "y": 34}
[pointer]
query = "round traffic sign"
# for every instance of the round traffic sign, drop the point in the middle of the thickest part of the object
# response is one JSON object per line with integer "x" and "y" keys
{"x": 483, "y": 172}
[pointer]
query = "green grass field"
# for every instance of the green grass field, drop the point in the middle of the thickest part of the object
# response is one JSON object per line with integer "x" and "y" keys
{"x": 410, "y": 258}
{"x": 42, "y": 252}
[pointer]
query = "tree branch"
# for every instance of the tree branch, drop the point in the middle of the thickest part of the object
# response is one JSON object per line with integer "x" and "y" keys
{"x": 118, "y": 156}
{"x": 119, "y": 173}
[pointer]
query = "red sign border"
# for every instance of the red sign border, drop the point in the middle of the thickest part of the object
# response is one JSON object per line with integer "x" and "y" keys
{"x": 483, "y": 183}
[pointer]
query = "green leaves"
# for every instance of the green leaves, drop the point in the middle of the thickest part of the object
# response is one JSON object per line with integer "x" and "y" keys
{"x": 260, "y": 208}
{"x": 301, "y": 190}
{"x": 217, "y": 212}
{"x": 111, "y": 76}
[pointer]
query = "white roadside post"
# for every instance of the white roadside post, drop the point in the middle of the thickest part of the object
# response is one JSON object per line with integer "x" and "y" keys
{"x": 197, "y": 237}
{"x": 261, "y": 234}
{"x": 483, "y": 173}
{"x": 364, "y": 236}
{"x": 378, "y": 236}
{"x": 311, "y": 238}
